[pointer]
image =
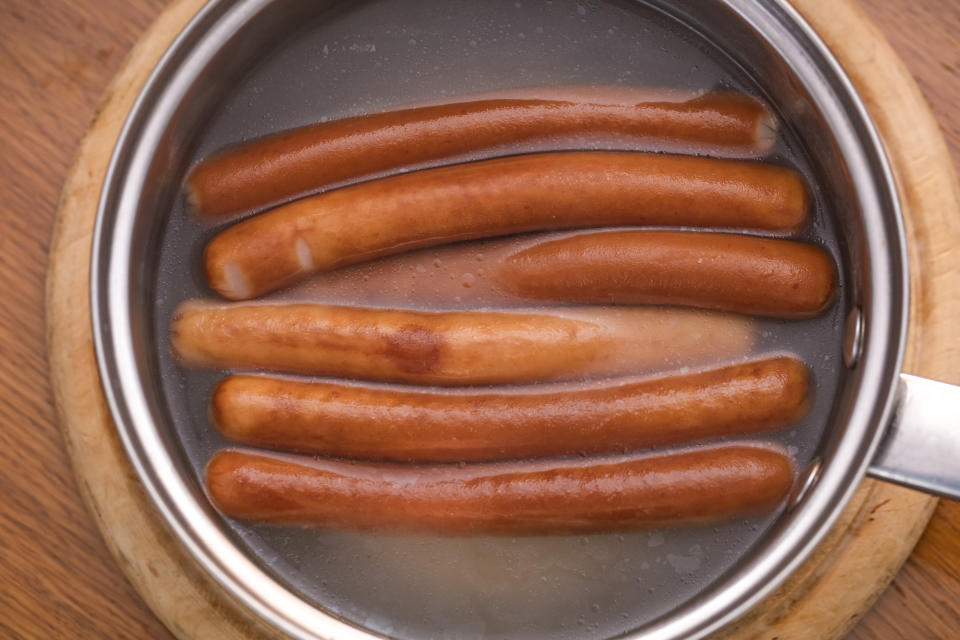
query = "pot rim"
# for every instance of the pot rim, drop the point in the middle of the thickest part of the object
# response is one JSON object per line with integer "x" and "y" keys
{"x": 184, "y": 508}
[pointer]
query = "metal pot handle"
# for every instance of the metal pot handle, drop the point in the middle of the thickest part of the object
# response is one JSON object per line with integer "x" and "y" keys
{"x": 921, "y": 448}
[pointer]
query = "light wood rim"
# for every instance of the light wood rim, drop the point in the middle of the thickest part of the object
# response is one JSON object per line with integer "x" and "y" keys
{"x": 823, "y": 599}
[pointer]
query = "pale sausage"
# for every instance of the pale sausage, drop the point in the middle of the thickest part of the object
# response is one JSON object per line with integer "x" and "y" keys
{"x": 453, "y": 348}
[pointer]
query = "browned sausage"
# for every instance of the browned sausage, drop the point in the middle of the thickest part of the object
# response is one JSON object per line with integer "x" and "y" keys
{"x": 759, "y": 276}
{"x": 391, "y": 424}
{"x": 511, "y": 498}
{"x": 453, "y": 348}
{"x": 279, "y": 167}
{"x": 498, "y": 197}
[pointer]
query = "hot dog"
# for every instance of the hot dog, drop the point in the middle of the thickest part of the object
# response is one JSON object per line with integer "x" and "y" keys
{"x": 759, "y": 276}
{"x": 452, "y": 348}
{"x": 390, "y": 424}
{"x": 514, "y": 498}
{"x": 279, "y": 167}
{"x": 711, "y": 271}
{"x": 454, "y": 276}
{"x": 498, "y": 197}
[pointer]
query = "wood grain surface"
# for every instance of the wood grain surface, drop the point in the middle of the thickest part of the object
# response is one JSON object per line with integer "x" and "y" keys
{"x": 56, "y": 578}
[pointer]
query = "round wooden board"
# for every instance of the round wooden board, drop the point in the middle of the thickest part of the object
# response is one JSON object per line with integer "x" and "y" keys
{"x": 822, "y": 600}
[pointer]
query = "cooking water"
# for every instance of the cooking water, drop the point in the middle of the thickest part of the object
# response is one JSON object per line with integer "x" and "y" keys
{"x": 368, "y": 56}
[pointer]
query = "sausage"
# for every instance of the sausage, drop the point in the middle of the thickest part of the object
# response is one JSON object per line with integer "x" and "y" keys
{"x": 284, "y": 165}
{"x": 462, "y": 275}
{"x": 760, "y": 276}
{"x": 498, "y": 197}
{"x": 452, "y": 348}
{"x": 389, "y": 424}
{"x": 591, "y": 267}
{"x": 351, "y": 421}
{"x": 507, "y": 498}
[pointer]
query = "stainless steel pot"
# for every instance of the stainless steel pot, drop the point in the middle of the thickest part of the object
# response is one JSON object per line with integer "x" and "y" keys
{"x": 884, "y": 423}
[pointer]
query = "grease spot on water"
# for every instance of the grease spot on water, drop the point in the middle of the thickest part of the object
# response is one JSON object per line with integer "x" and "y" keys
{"x": 686, "y": 563}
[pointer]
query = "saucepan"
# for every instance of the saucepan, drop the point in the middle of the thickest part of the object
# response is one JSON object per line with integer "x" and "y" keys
{"x": 245, "y": 68}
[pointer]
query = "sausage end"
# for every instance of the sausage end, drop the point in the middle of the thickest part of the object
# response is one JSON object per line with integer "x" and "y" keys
{"x": 225, "y": 276}
{"x": 766, "y": 131}
{"x": 796, "y": 389}
{"x": 222, "y": 481}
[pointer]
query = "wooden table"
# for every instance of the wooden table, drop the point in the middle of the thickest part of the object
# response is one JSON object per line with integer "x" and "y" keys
{"x": 56, "y": 578}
